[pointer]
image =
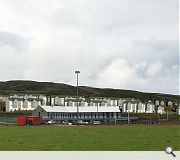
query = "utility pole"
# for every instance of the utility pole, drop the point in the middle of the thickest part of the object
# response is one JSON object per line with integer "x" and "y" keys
{"x": 128, "y": 116}
{"x": 77, "y": 98}
{"x": 51, "y": 104}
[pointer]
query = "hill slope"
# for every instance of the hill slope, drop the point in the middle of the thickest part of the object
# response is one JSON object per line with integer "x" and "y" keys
{"x": 49, "y": 88}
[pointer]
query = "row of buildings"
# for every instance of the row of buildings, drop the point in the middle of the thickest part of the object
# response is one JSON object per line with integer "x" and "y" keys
{"x": 11, "y": 103}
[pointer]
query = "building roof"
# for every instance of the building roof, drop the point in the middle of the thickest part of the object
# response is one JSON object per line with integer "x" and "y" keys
{"x": 81, "y": 109}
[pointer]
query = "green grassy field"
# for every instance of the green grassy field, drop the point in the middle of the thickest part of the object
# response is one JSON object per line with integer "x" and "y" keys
{"x": 89, "y": 138}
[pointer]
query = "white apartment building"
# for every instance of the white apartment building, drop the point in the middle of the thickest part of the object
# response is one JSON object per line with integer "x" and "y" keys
{"x": 17, "y": 102}
{"x": 24, "y": 102}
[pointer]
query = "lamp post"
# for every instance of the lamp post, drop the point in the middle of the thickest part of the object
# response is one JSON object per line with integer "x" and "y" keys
{"x": 77, "y": 98}
{"x": 128, "y": 116}
{"x": 51, "y": 94}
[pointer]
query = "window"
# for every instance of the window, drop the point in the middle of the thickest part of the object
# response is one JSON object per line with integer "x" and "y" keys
{"x": 19, "y": 104}
{"x": 25, "y": 104}
{"x": 15, "y": 103}
{"x": 34, "y": 104}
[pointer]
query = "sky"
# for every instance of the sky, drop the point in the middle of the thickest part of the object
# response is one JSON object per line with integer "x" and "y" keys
{"x": 122, "y": 44}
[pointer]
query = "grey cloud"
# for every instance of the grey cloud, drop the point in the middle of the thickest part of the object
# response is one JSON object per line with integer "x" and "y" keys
{"x": 12, "y": 63}
{"x": 164, "y": 50}
{"x": 13, "y": 40}
{"x": 102, "y": 17}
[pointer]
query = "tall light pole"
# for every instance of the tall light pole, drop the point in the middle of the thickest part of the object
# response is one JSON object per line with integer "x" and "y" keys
{"x": 77, "y": 99}
{"x": 128, "y": 116}
{"x": 167, "y": 114}
{"x": 51, "y": 94}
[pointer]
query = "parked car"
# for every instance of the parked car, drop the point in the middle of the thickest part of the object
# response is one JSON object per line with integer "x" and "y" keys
{"x": 82, "y": 122}
{"x": 96, "y": 122}
{"x": 51, "y": 122}
{"x": 65, "y": 122}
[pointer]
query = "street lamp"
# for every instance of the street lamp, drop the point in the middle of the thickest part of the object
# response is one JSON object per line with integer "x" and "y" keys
{"x": 77, "y": 72}
{"x": 128, "y": 116}
{"x": 51, "y": 94}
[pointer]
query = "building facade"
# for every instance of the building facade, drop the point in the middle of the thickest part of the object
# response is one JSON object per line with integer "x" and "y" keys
{"x": 22, "y": 102}
{"x": 16, "y": 102}
{"x": 104, "y": 114}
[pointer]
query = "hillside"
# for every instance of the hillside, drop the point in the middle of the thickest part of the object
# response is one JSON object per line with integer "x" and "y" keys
{"x": 49, "y": 88}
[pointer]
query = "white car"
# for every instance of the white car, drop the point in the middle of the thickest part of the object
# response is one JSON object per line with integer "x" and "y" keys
{"x": 82, "y": 122}
{"x": 65, "y": 122}
{"x": 96, "y": 122}
{"x": 50, "y": 122}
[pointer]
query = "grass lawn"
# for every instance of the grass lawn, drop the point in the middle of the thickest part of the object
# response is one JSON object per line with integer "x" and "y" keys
{"x": 89, "y": 138}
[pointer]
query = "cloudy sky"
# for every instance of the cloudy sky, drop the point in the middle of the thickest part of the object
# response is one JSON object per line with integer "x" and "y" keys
{"x": 125, "y": 44}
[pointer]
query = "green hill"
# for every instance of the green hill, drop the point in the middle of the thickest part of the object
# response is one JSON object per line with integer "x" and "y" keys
{"x": 49, "y": 88}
